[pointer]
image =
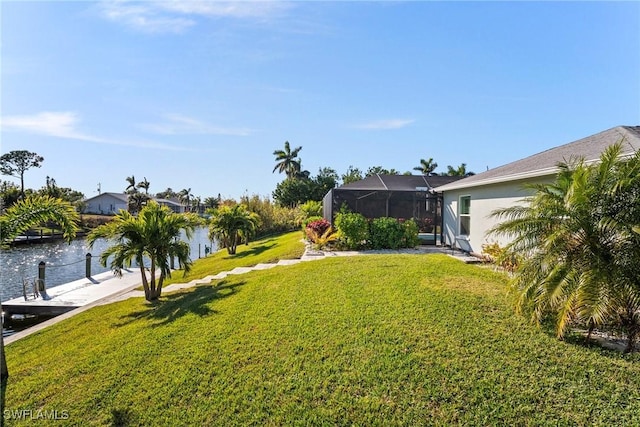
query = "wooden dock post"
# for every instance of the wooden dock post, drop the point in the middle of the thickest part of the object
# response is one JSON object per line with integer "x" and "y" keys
{"x": 88, "y": 265}
{"x": 41, "y": 276}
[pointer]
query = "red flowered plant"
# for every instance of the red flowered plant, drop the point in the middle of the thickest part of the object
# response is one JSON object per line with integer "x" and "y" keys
{"x": 317, "y": 228}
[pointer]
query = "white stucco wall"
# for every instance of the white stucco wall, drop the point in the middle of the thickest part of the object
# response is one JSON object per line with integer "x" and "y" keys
{"x": 484, "y": 200}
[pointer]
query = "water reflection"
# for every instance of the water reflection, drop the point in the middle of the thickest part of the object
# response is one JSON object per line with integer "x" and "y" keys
{"x": 65, "y": 262}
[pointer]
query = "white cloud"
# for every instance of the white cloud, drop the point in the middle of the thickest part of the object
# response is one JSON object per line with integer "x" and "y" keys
{"x": 144, "y": 17}
{"x": 385, "y": 124}
{"x": 63, "y": 124}
{"x": 176, "y": 124}
{"x": 175, "y": 16}
{"x": 59, "y": 124}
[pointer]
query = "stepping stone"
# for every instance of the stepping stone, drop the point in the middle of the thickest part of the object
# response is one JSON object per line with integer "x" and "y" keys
{"x": 288, "y": 261}
{"x": 241, "y": 270}
{"x": 264, "y": 266}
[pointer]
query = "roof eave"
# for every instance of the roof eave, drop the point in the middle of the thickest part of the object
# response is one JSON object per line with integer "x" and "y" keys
{"x": 498, "y": 179}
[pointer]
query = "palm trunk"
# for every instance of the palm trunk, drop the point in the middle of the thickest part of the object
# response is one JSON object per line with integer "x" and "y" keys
{"x": 632, "y": 333}
{"x": 145, "y": 283}
{"x": 160, "y": 281}
{"x": 152, "y": 273}
{"x": 592, "y": 326}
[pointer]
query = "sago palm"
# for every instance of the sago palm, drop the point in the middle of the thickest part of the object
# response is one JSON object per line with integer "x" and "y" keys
{"x": 575, "y": 247}
{"x": 153, "y": 235}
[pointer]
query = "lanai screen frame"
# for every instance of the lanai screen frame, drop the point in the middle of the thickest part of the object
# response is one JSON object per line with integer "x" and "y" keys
{"x": 425, "y": 207}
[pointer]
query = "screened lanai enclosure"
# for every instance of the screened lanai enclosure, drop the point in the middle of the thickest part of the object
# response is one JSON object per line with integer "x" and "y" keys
{"x": 397, "y": 196}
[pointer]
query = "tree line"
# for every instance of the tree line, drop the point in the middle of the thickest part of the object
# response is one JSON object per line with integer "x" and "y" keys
{"x": 300, "y": 186}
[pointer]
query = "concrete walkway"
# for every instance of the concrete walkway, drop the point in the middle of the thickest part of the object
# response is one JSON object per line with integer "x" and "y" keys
{"x": 87, "y": 293}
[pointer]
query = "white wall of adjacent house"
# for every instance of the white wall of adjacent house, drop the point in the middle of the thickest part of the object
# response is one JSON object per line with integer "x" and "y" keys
{"x": 467, "y": 212}
{"x": 105, "y": 204}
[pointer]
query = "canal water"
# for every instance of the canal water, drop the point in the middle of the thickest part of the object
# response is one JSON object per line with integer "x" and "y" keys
{"x": 66, "y": 262}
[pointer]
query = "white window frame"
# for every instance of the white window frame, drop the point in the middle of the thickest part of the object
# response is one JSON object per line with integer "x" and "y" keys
{"x": 465, "y": 215}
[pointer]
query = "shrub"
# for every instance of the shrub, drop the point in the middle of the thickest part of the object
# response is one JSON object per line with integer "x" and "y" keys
{"x": 386, "y": 233}
{"x": 410, "y": 238}
{"x": 309, "y": 220}
{"x": 274, "y": 219}
{"x": 321, "y": 240}
{"x": 311, "y": 208}
{"x": 316, "y": 228}
{"x": 353, "y": 229}
{"x": 496, "y": 254}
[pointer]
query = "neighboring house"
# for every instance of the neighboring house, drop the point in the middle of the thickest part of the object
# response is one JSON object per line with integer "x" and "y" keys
{"x": 106, "y": 203}
{"x": 174, "y": 205}
{"x": 468, "y": 203}
{"x": 396, "y": 196}
{"x": 112, "y": 203}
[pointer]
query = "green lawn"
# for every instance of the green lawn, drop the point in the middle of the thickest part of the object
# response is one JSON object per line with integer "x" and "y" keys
{"x": 269, "y": 249}
{"x": 369, "y": 340}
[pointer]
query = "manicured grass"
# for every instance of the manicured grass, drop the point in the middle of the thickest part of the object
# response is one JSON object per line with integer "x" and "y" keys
{"x": 270, "y": 249}
{"x": 369, "y": 340}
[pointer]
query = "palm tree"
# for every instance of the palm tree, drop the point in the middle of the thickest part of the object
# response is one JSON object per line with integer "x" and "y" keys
{"x": 136, "y": 201}
{"x": 185, "y": 197}
{"x": 211, "y": 202}
{"x": 144, "y": 184}
{"x": 26, "y": 214}
{"x": 579, "y": 250}
{"x": 459, "y": 171}
{"x": 232, "y": 224}
{"x": 154, "y": 234}
{"x": 287, "y": 161}
{"x": 131, "y": 188}
{"x": 426, "y": 166}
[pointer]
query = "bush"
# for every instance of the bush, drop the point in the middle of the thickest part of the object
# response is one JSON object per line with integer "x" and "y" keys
{"x": 316, "y": 228}
{"x": 410, "y": 238}
{"x": 274, "y": 219}
{"x": 386, "y": 233}
{"x": 353, "y": 229}
{"x": 496, "y": 254}
{"x": 311, "y": 208}
{"x": 309, "y": 220}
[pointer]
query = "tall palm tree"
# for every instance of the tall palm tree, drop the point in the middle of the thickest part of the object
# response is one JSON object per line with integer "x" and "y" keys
{"x": 154, "y": 234}
{"x": 579, "y": 250}
{"x": 232, "y": 224}
{"x": 144, "y": 184}
{"x": 426, "y": 166}
{"x": 185, "y": 197}
{"x": 131, "y": 188}
{"x": 26, "y": 214}
{"x": 287, "y": 161}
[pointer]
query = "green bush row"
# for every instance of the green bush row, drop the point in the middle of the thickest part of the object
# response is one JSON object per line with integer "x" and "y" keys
{"x": 357, "y": 232}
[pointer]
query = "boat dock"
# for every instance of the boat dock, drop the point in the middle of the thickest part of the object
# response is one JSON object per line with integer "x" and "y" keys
{"x": 69, "y": 296}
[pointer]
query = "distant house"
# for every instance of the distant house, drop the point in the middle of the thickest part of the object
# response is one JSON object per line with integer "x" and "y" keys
{"x": 106, "y": 203}
{"x": 468, "y": 203}
{"x": 174, "y": 205}
{"x": 395, "y": 196}
{"x": 111, "y": 203}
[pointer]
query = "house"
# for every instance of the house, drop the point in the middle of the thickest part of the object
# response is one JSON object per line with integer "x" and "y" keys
{"x": 468, "y": 203}
{"x": 111, "y": 203}
{"x": 396, "y": 196}
{"x": 106, "y": 203}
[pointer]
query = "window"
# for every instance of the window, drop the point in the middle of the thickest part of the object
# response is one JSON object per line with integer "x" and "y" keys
{"x": 464, "y": 212}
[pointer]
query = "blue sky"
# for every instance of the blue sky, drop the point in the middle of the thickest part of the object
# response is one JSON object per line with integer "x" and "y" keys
{"x": 199, "y": 94}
